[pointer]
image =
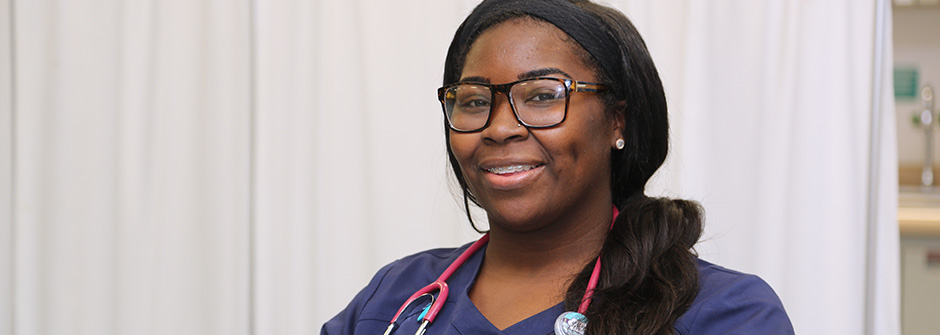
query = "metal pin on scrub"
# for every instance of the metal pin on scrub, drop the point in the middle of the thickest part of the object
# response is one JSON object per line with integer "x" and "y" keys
{"x": 570, "y": 323}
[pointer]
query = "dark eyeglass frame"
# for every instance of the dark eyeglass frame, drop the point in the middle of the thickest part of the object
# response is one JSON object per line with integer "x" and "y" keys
{"x": 505, "y": 89}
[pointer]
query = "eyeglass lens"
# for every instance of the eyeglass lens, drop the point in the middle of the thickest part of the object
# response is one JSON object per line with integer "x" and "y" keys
{"x": 537, "y": 103}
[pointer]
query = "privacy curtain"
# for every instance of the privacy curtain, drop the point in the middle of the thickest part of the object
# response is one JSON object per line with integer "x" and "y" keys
{"x": 130, "y": 131}
{"x": 244, "y": 167}
{"x": 771, "y": 108}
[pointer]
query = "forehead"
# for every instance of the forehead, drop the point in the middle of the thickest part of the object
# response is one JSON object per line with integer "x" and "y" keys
{"x": 509, "y": 49}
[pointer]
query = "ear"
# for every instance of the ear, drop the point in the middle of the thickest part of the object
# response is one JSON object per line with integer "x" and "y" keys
{"x": 617, "y": 122}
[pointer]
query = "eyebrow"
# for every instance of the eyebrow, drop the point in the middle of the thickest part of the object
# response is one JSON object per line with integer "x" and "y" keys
{"x": 543, "y": 72}
{"x": 521, "y": 76}
{"x": 476, "y": 79}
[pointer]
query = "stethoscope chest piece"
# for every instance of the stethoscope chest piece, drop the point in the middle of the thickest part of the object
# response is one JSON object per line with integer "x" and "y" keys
{"x": 570, "y": 323}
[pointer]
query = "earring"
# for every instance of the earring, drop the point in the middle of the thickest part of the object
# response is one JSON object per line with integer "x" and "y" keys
{"x": 518, "y": 125}
{"x": 620, "y": 144}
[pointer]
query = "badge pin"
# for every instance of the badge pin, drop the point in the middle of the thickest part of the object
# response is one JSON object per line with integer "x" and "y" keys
{"x": 570, "y": 323}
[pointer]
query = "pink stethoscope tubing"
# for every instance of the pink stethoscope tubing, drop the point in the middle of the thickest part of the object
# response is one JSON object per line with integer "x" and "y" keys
{"x": 441, "y": 286}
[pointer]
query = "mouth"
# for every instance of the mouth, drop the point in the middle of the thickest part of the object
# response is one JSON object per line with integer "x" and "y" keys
{"x": 510, "y": 169}
{"x": 511, "y": 176}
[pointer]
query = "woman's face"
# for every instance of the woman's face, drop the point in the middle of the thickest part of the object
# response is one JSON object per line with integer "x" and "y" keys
{"x": 569, "y": 164}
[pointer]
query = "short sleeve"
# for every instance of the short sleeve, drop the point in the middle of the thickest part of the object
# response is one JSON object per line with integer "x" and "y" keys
{"x": 743, "y": 305}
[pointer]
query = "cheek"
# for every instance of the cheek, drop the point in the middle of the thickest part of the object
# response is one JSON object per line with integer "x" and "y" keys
{"x": 463, "y": 146}
{"x": 585, "y": 145}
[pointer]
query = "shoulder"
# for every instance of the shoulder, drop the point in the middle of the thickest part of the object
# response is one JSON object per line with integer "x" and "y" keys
{"x": 731, "y": 302}
{"x": 428, "y": 258}
{"x": 389, "y": 287}
{"x": 416, "y": 270}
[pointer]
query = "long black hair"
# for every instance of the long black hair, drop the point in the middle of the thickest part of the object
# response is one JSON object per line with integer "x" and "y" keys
{"x": 649, "y": 276}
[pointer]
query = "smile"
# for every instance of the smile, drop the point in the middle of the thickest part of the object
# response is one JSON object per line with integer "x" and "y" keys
{"x": 512, "y": 176}
{"x": 510, "y": 169}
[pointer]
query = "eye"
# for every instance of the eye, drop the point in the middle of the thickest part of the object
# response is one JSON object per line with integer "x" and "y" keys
{"x": 474, "y": 105}
{"x": 544, "y": 97}
{"x": 474, "y": 102}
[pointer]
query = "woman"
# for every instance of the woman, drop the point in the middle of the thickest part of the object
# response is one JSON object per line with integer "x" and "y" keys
{"x": 555, "y": 119}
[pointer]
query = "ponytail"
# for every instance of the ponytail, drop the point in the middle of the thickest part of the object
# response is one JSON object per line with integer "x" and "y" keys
{"x": 649, "y": 276}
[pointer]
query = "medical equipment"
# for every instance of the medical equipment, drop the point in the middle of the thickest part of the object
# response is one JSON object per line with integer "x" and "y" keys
{"x": 441, "y": 286}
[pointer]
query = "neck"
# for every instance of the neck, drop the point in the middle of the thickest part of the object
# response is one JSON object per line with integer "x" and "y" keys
{"x": 558, "y": 250}
{"x": 527, "y": 271}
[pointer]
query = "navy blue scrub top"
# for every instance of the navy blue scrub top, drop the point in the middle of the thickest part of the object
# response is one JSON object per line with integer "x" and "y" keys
{"x": 728, "y": 302}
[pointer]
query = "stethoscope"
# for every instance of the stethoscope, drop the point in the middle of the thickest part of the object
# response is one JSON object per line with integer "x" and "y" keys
{"x": 568, "y": 323}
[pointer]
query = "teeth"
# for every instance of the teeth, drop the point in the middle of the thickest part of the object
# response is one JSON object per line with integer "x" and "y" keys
{"x": 510, "y": 169}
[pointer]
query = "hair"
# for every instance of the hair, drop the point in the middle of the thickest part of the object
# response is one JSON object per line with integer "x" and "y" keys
{"x": 649, "y": 276}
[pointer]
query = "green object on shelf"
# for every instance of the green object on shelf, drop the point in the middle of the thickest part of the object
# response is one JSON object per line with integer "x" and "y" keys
{"x": 905, "y": 82}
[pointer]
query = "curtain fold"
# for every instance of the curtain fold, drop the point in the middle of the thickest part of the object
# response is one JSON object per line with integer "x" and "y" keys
{"x": 213, "y": 167}
{"x": 132, "y": 174}
{"x": 886, "y": 298}
{"x": 6, "y": 168}
{"x": 350, "y": 156}
{"x": 772, "y": 103}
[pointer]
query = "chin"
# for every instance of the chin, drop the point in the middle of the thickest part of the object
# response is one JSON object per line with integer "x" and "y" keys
{"x": 518, "y": 217}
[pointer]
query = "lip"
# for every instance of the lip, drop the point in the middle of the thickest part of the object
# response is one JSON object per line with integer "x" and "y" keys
{"x": 510, "y": 174}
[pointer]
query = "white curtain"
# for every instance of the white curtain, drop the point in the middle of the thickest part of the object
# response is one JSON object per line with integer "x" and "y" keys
{"x": 771, "y": 108}
{"x": 130, "y": 167}
{"x": 219, "y": 167}
{"x": 6, "y": 172}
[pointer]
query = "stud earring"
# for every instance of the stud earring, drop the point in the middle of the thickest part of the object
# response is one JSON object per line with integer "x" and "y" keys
{"x": 620, "y": 144}
{"x": 518, "y": 125}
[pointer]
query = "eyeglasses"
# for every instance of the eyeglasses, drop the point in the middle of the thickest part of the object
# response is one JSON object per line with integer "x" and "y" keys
{"x": 539, "y": 102}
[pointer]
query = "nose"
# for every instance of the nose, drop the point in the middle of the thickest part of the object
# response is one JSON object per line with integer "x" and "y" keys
{"x": 504, "y": 126}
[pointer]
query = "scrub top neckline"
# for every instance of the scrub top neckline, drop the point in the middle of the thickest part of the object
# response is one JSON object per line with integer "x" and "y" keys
{"x": 468, "y": 319}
